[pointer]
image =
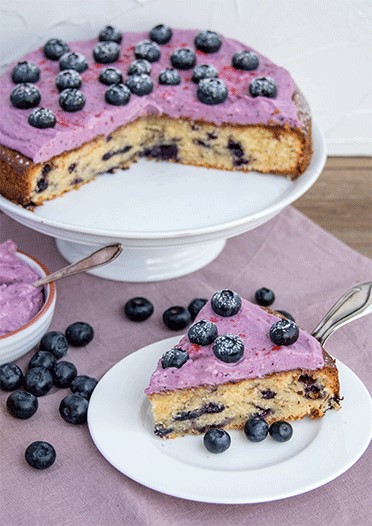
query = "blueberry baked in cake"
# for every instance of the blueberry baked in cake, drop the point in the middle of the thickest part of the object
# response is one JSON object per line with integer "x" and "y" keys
{"x": 71, "y": 111}
{"x": 240, "y": 360}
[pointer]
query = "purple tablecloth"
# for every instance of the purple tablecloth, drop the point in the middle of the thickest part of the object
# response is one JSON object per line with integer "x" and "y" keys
{"x": 306, "y": 267}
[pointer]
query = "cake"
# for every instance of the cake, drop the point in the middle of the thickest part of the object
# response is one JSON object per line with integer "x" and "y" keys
{"x": 73, "y": 111}
{"x": 240, "y": 360}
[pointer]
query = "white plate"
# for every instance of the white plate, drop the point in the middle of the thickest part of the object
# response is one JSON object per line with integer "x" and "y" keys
{"x": 121, "y": 425}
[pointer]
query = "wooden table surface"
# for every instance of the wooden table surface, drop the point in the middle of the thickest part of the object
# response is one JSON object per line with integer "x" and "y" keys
{"x": 341, "y": 201}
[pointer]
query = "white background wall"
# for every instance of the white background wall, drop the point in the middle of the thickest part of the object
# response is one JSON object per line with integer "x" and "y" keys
{"x": 326, "y": 44}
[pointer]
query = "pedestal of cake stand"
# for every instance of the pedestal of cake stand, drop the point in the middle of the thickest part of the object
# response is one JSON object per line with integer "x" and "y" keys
{"x": 147, "y": 263}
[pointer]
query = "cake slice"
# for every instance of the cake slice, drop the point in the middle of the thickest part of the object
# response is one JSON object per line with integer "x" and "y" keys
{"x": 238, "y": 360}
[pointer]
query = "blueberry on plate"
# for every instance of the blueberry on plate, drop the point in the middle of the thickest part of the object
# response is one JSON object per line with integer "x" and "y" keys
{"x": 174, "y": 358}
{"x": 147, "y": 50}
{"x": 117, "y": 95}
{"x": 256, "y": 429}
{"x": 110, "y": 76}
{"x": 208, "y": 41}
{"x": 22, "y": 404}
{"x": 183, "y": 58}
{"x": 42, "y": 359}
{"x": 71, "y": 100}
{"x": 263, "y": 87}
{"x": 38, "y": 381}
{"x": 216, "y": 440}
{"x": 285, "y": 314}
{"x": 68, "y": 78}
{"x": 74, "y": 409}
{"x": 83, "y": 385}
{"x": 40, "y": 455}
{"x": 204, "y": 71}
{"x": 25, "y": 72}
{"x": 25, "y": 96}
{"x": 264, "y": 297}
{"x": 110, "y": 33}
{"x": 138, "y": 309}
{"x": 161, "y": 34}
{"x": 284, "y": 332}
{"x": 138, "y": 66}
{"x": 54, "y": 342}
{"x": 55, "y": 48}
{"x": 139, "y": 84}
{"x": 281, "y": 431}
{"x": 246, "y": 60}
{"x": 106, "y": 52}
{"x": 195, "y": 306}
{"x": 79, "y": 334}
{"x": 203, "y": 332}
{"x": 176, "y": 318}
{"x": 229, "y": 348}
{"x": 226, "y": 303}
{"x": 11, "y": 377}
{"x": 212, "y": 91}
{"x": 169, "y": 77}
{"x": 72, "y": 60}
{"x": 63, "y": 373}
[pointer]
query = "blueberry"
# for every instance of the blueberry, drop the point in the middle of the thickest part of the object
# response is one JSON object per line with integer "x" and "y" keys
{"x": 176, "y": 318}
{"x": 246, "y": 60}
{"x": 68, "y": 78}
{"x": 284, "y": 332}
{"x": 285, "y": 314}
{"x": 117, "y": 95}
{"x": 139, "y": 84}
{"x": 203, "y": 332}
{"x": 83, "y": 385}
{"x": 174, "y": 358}
{"x": 40, "y": 455}
{"x": 256, "y": 429}
{"x": 281, "y": 431}
{"x": 263, "y": 87}
{"x": 25, "y": 96}
{"x": 79, "y": 334}
{"x": 106, "y": 52}
{"x": 11, "y": 377}
{"x": 226, "y": 303}
{"x": 204, "y": 71}
{"x": 110, "y": 76}
{"x": 161, "y": 34}
{"x": 75, "y": 61}
{"x": 42, "y": 359}
{"x": 183, "y": 58}
{"x": 54, "y": 342}
{"x": 148, "y": 50}
{"x": 63, "y": 373}
{"x": 169, "y": 77}
{"x": 42, "y": 118}
{"x": 136, "y": 67}
{"x": 22, "y": 404}
{"x": 110, "y": 33}
{"x": 25, "y": 72}
{"x": 55, "y": 48}
{"x": 195, "y": 306}
{"x": 229, "y": 348}
{"x": 212, "y": 91}
{"x": 138, "y": 309}
{"x": 71, "y": 100}
{"x": 208, "y": 41}
{"x": 264, "y": 297}
{"x": 216, "y": 440}
{"x": 74, "y": 409}
{"x": 38, "y": 381}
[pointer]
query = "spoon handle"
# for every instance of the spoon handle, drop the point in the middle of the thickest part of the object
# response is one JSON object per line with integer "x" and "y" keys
{"x": 100, "y": 257}
{"x": 354, "y": 304}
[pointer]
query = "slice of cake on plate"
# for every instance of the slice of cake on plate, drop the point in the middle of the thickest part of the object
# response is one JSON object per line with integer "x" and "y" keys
{"x": 238, "y": 360}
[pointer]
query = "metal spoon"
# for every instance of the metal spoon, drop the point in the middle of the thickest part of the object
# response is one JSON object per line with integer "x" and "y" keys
{"x": 100, "y": 257}
{"x": 354, "y": 304}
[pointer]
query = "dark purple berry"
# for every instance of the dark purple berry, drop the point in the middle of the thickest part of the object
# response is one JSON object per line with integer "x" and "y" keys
{"x": 183, "y": 58}
{"x": 195, "y": 307}
{"x": 83, "y": 385}
{"x": 42, "y": 118}
{"x": 79, "y": 334}
{"x": 204, "y": 71}
{"x": 136, "y": 67}
{"x": 55, "y": 48}
{"x": 229, "y": 348}
{"x": 71, "y": 100}
{"x": 68, "y": 78}
{"x": 74, "y": 409}
{"x": 203, "y": 332}
{"x": 54, "y": 342}
{"x": 11, "y": 377}
{"x": 281, "y": 431}
{"x": 174, "y": 358}
{"x": 161, "y": 34}
{"x": 208, "y": 41}
{"x": 176, "y": 318}
{"x": 169, "y": 77}
{"x": 117, "y": 95}
{"x": 25, "y": 72}
{"x": 38, "y": 381}
{"x": 139, "y": 84}
{"x": 263, "y": 87}
{"x": 40, "y": 455}
{"x": 226, "y": 303}
{"x": 284, "y": 332}
{"x": 246, "y": 60}
{"x": 42, "y": 359}
{"x": 110, "y": 33}
{"x": 216, "y": 440}
{"x": 106, "y": 52}
{"x": 22, "y": 404}
{"x": 147, "y": 50}
{"x": 110, "y": 76}
{"x": 212, "y": 91}
{"x": 25, "y": 96}
{"x": 63, "y": 373}
{"x": 285, "y": 314}
{"x": 264, "y": 297}
{"x": 75, "y": 61}
{"x": 256, "y": 429}
{"x": 138, "y": 309}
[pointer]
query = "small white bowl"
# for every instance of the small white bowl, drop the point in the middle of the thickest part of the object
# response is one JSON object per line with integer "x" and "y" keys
{"x": 15, "y": 344}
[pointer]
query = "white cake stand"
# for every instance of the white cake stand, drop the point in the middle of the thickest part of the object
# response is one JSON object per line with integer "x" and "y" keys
{"x": 172, "y": 219}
